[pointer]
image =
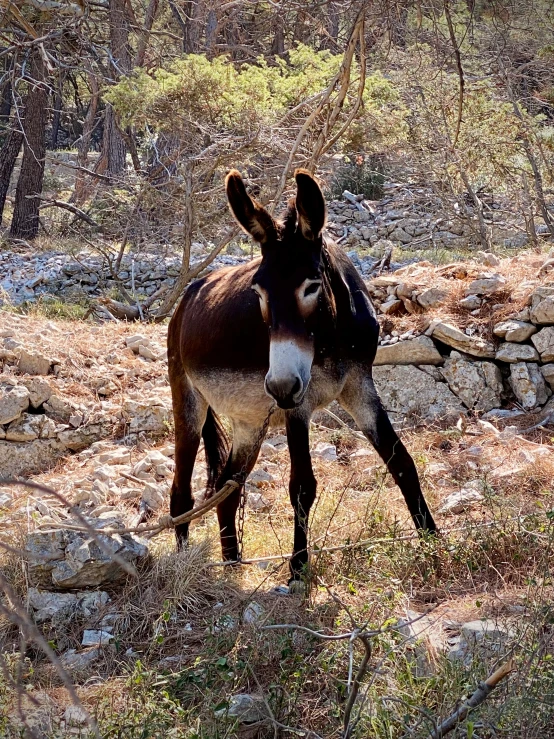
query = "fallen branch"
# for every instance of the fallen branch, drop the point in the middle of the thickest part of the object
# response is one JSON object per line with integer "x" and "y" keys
{"x": 480, "y": 695}
{"x": 47, "y": 203}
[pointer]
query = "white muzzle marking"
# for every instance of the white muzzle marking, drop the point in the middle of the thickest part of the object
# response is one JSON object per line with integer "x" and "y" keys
{"x": 289, "y": 371}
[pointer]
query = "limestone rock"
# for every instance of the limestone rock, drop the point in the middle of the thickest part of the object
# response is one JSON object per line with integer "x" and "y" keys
{"x": 517, "y": 331}
{"x": 96, "y": 638}
{"x": 60, "y": 607}
{"x": 478, "y": 384}
{"x": 463, "y": 499}
{"x": 486, "y": 285}
{"x": 542, "y": 306}
{"x": 75, "y": 716}
{"x": 151, "y": 415}
{"x": 39, "y": 390}
{"x": 406, "y": 390}
{"x": 80, "y": 438}
{"x": 33, "y": 363}
{"x": 59, "y": 408}
{"x": 528, "y": 385}
{"x": 491, "y": 260}
{"x": 548, "y": 374}
{"x": 14, "y": 399}
{"x": 544, "y": 343}
{"x": 29, "y": 457}
{"x": 432, "y": 297}
{"x": 472, "y": 302}
{"x": 245, "y": 709}
{"x": 325, "y": 451}
{"x": 392, "y": 305}
{"x": 65, "y": 560}
{"x": 485, "y": 639}
{"x": 420, "y": 350}
{"x": 77, "y": 662}
{"x": 452, "y": 336}
{"x": 29, "y": 427}
{"x": 516, "y": 353}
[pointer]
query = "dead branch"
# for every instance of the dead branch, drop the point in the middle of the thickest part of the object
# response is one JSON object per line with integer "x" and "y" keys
{"x": 456, "y": 50}
{"x": 481, "y": 694}
{"x": 49, "y": 203}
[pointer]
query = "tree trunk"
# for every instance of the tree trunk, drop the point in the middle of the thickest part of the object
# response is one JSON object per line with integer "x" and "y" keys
{"x": 80, "y": 192}
{"x": 8, "y": 157}
{"x": 112, "y": 160}
{"x": 188, "y": 22}
{"x": 58, "y": 101}
{"x": 25, "y": 221}
{"x": 142, "y": 43}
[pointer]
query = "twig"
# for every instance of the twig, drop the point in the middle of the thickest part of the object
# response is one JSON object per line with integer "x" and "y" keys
{"x": 481, "y": 694}
{"x": 459, "y": 67}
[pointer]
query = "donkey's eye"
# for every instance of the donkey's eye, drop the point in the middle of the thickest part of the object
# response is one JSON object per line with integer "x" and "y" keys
{"x": 312, "y": 289}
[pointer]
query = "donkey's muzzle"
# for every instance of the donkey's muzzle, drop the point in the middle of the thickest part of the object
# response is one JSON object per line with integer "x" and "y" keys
{"x": 287, "y": 392}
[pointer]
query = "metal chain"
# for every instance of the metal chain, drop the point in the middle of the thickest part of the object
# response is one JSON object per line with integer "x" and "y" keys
{"x": 241, "y": 476}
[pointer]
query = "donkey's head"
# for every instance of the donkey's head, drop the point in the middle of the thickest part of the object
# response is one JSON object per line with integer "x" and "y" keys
{"x": 288, "y": 281}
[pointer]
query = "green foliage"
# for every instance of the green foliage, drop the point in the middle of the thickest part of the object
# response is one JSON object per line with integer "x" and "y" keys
{"x": 203, "y": 98}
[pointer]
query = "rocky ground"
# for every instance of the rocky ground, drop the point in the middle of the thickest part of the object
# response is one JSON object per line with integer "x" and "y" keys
{"x": 465, "y": 366}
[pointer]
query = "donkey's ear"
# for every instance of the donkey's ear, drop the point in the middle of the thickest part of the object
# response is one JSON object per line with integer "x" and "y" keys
{"x": 252, "y": 216}
{"x": 310, "y": 205}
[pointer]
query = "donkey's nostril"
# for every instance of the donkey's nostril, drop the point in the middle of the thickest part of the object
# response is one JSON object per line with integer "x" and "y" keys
{"x": 286, "y": 391}
{"x": 296, "y": 388}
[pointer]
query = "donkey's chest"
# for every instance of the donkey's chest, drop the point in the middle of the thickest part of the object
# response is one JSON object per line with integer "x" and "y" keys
{"x": 242, "y": 397}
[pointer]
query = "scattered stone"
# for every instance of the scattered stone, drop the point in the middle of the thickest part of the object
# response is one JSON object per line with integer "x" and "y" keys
{"x": 152, "y": 416}
{"x": 472, "y": 302}
{"x": 75, "y": 661}
{"x": 253, "y": 613}
{"x": 484, "y": 639}
{"x": 96, "y": 638}
{"x": 478, "y": 384}
{"x": 528, "y": 385}
{"x": 33, "y": 363}
{"x": 466, "y": 498}
{"x": 14, "y": 399}
{"x": 544, "y": 343}
{"x": 153, "y": 497}
{"x": 548, "y": 374}
{"x": 542, "y": 306}
{"x": 516, "y": 353}
{"x": 491, "y": 260}
{"x": 452, "y": 336}
{"x": 39, "y": 390}
{"x": 420, "y": 350}
{"x": 486, "y": 285}
{"x": 66, "y": 560}
{"x": 245, "y": 709}
{"x": 325, "y": 451}
{"x": 115, "y": 456}
{"x": 257, "y": 502}
{"x": 75, "y": 716}
{"x": 391, "y": 306}
{"x": 432, "y": 297}
{"x": 259, "y": 477}
{"x": 407, "y": 390}
{"x": 516, "y": 331}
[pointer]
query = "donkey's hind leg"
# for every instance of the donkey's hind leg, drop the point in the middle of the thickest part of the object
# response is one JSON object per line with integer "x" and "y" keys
{"x": 247, "y": 440}
{"x": 359, "y": 397}
{"x": 189, "y": 412}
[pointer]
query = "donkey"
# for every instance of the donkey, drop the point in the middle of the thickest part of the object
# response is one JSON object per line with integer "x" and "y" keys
{"x": 294, "y": 329}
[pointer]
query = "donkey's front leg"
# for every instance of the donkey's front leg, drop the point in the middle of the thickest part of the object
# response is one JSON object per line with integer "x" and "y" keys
{"x": 361, "y": 400}
{"x": 302, "y": 488}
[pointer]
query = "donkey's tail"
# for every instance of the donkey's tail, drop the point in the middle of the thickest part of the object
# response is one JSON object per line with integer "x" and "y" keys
{"x": 216, "y": 447}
